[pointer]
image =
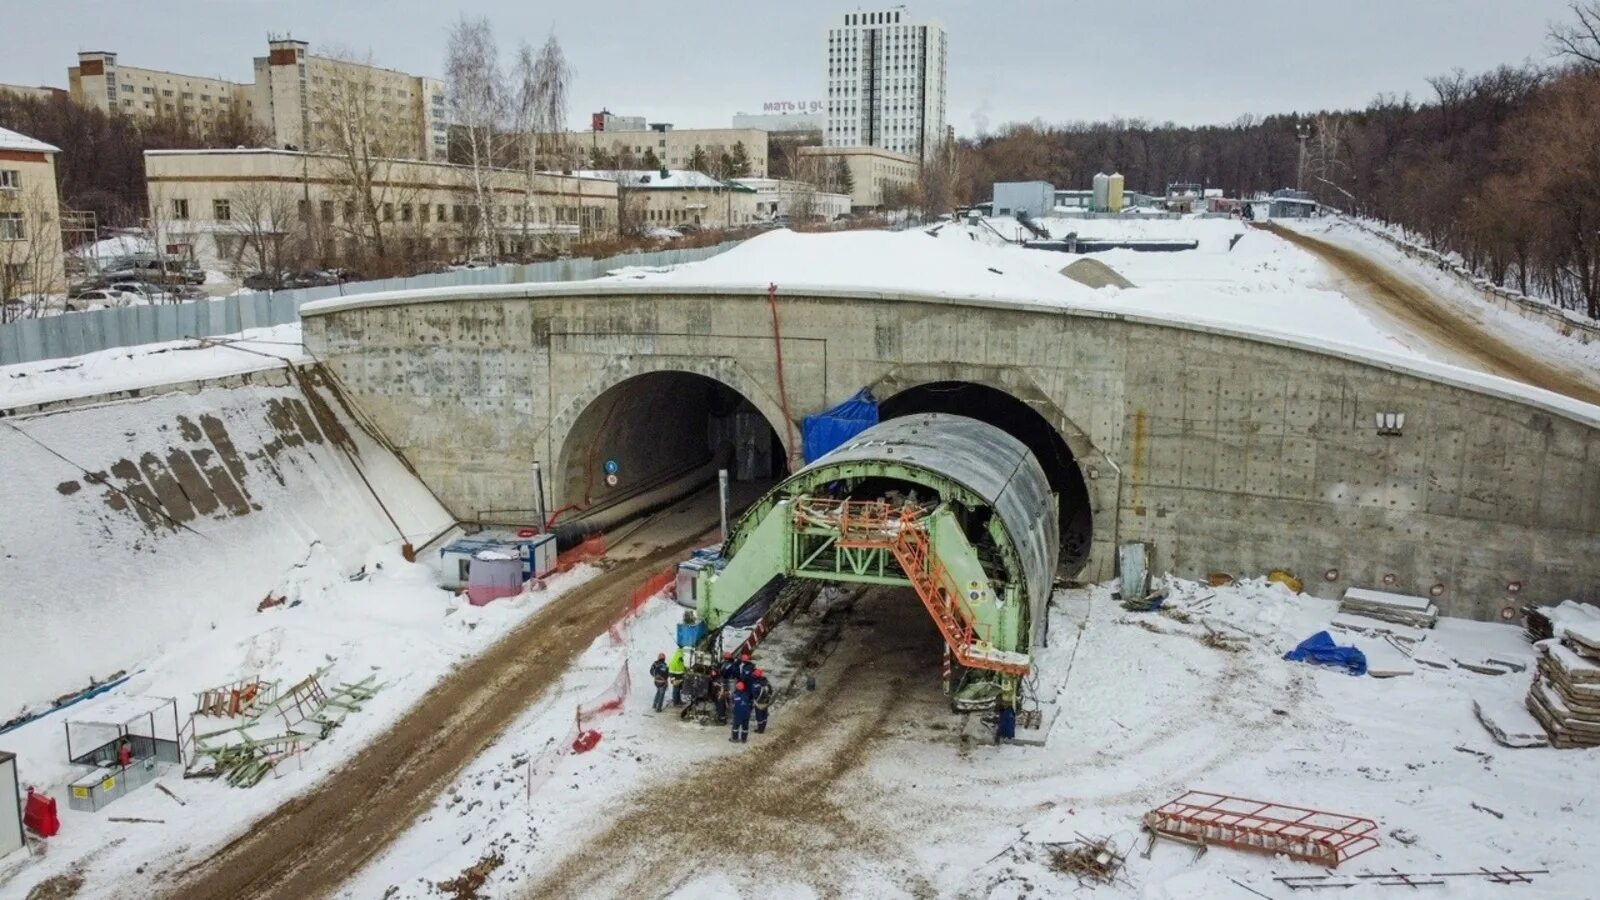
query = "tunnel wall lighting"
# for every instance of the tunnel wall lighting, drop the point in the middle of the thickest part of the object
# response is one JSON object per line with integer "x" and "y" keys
{"x": 1391, "y": 424}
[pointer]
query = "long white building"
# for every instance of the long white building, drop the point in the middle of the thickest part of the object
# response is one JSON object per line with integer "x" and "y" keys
{"x": 886, "y": 82}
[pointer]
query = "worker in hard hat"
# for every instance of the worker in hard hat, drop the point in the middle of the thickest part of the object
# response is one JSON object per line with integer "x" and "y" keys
{"x": 727, "y": 677}
{"x": 747, "y": 669}
{"x": 740, "y": 702}
{"x": 675, "y": 671}
{"x": 658, "y": 673}
{"x": 761, "y": 699}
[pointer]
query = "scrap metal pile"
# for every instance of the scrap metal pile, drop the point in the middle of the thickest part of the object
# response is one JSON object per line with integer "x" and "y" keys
{"x": 242, "y": 754}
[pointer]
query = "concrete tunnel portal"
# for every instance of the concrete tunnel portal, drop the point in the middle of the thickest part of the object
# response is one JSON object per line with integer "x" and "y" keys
{"x": 655, "y": 438}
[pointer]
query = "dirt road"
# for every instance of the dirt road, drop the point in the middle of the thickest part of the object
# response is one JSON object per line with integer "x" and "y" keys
{"x": 311, "y": 845}
{"x": 786, "y": 805}
{"x": 1437, "y": 320}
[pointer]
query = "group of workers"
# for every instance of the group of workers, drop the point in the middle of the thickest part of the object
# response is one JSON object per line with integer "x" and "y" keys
{"x": 737, "y": 690}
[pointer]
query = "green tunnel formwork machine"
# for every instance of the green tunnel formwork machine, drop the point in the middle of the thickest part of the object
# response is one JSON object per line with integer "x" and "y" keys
{"x": 951, "y": 507}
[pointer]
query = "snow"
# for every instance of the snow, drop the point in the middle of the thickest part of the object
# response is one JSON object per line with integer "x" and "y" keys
{"x": 149, "y": 365}
{"x": 650, "y": 179}
{"x": 16, "y": 140}
{"x": 1144, "y": 709}
{"x": 110, "y": 248}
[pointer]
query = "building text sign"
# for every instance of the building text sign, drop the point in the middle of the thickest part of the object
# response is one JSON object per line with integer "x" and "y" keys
{"x": 792, "y": 106}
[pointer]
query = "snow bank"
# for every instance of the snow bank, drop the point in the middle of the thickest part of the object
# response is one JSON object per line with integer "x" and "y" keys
{"x": 148, "y": 521}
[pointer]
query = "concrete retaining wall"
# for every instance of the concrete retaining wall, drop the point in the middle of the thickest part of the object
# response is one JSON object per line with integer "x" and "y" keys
{"x": 1230, "y": 453}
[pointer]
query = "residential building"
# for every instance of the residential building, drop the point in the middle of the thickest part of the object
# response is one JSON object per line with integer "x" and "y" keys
{"x": 672, "y": 198}
{"x": 874, "y": 173}
{"x": 294, "y": 97}
{"x": 216, "y": 202}
{"x": 30, "y": 231}
{"x": 795, "y": 199}
{"x": 98, "y": 81}
{"x": 605, "y": 120}
{"x": 42, "y": 92}
{"x": 675, "y": 148}
{"x": 299, "y": 99}
{"x": 886, "y": 82}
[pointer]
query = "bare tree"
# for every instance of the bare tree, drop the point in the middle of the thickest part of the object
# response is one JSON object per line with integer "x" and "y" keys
{"x": 542, "y": 84}
{"x": 30, "y": 250}
{"x": 264, "y": 228}
{"x": 937, "y": 180}
{"x": 479, "y": 108}
{"x": 362, "y": 144}
{"x": 1578, "y": 41}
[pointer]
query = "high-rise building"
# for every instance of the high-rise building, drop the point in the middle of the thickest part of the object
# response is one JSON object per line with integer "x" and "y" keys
{"x": 886, "y": 82}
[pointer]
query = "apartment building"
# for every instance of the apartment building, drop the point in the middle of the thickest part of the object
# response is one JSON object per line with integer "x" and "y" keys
{"x": 672, "y": 198}
{"x": 294, "y": 97}
{"x": 100, "y": 82}
{"x": 40, "y": 92}
{"x": 886, "y": 82}
{"x": 674, "y": 148}
{"x": 217, "y": 201}
{"x": 874, "y": 172}
{"x": 31, "y": 260}
{"x": 300, "y": 99}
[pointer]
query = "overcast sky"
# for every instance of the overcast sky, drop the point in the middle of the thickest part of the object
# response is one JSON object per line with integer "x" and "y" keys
{"x": 697, "y": 62}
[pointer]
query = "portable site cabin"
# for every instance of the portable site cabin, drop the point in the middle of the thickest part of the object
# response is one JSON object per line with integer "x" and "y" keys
{"x": 10, "y": 805}
{"x": 147, "y": 726}
{"x": 537, "y": 552}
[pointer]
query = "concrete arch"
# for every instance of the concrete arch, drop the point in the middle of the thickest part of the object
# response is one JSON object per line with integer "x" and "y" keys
{"x": 584, "y": 416}
{"x": 1031, "y": 417}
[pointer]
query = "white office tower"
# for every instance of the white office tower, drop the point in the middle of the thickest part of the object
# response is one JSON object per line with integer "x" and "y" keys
{"x": 886, "y": 82}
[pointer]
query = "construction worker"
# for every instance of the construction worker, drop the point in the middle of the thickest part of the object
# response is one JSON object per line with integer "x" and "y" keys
{"x": 741, "y": 713}
{"x": 1005, "y": 726}
{"x": 125, "y": 754}
{"x": 658, "y": 672}
{"x": 761, "y": 699}
{"x": 727, "y": 676}
{"x": 747, "y": 669}
{"x": 675, "y": 671}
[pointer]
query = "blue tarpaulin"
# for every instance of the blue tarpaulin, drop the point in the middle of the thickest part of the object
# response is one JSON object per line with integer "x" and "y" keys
{"x": 827, "y": 430}
{"x": 1320, "y": 649}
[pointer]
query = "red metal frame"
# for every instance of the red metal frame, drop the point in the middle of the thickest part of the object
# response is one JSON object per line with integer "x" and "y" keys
{"x": 1311, "y": 835}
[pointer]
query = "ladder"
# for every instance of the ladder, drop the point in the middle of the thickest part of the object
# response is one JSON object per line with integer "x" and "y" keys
{"x": 870, "y": 526}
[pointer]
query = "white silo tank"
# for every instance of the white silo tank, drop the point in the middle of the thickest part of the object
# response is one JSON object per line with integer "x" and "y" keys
{"x": 1114, "y": 192}
{"x": 1102, "y": 191}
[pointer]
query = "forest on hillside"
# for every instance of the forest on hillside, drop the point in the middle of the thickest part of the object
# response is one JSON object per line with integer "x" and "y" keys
{"x": 1502, "y": 167}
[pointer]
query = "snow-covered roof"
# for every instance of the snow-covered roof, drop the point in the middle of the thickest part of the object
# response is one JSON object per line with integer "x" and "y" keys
{"x": 674, "y": 179}
{"x": 15, "y": 140}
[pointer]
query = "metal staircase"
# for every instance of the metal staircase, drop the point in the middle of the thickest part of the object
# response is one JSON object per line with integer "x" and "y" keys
{"x": 874, "y": 525}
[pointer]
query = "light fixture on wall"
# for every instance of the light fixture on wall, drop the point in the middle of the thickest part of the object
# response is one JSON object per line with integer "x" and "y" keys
{"x": 1391, "y": 424}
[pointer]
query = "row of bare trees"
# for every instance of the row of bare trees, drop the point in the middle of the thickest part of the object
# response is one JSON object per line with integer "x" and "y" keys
{"x": 1502, "y": 167}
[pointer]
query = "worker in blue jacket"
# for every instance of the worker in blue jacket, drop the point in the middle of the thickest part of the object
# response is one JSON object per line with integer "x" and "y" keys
{"x": 747, "y": 670}
{"x": 740, "y": 702}
{"x": 658, "y": 673}
{"x": 761, "y": 699}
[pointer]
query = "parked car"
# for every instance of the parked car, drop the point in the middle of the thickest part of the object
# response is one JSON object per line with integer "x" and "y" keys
{"x": 147, "y": 293}
{"x": 103, "y": 297}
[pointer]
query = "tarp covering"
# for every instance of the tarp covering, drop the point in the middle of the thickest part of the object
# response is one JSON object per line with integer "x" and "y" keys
{"x": 827, "y": 430}
{"x": 1319, "y": 649}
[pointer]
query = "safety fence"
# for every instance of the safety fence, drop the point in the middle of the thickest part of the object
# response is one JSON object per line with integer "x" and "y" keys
{"x": 74, "y": 333}
{"x": 582, "y": 736}
{"x": 664, "y": 580}
{"x": 589, "y": 549}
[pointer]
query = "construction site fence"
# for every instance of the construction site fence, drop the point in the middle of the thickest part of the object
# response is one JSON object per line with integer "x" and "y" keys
{"x": 661, "y": 581}
{"x": 588, "y": 550}
{"x": 74, "y": 333}
{"x": 581, "y": 736}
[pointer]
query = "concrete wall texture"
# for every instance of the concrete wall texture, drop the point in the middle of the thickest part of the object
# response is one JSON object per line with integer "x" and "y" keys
{"x": 1230, "y": 453}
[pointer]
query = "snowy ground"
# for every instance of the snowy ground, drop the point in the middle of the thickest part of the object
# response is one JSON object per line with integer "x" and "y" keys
{"x": 390, "y": 620}
{"x": 148, "y": 365}
{"x": 869, "y": 785}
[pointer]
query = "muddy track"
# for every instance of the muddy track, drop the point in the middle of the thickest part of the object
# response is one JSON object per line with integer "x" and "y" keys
{"x": 784, "y": 806}
{"x": 1436, "y": 319}
{"x": 313, "y": 844}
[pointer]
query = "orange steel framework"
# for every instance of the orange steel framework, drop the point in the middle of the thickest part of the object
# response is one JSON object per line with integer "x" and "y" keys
{"x": 1311, "y": 835}
{"x": 875, "y": 525}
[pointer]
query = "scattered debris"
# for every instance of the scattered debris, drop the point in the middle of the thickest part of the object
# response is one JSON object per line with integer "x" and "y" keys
{"x": 136, "y": 819}
{"x": 1392, "y": 878}
{"x": 307, "y": 714}
{"x": 168, "y": 791}
{"x": 1319, "y": 649}
{"x": 1400, "y": 609}
{"x": 269, "y": 601}
{"x": 1493, "y": 812}
{"x": 1403, "y": 836}
{"x": 240, "y": 698}
{"x": 1310, "y": 835}
{"x": 469, "y": 884}
{"x": 1509, "y": 723}
{"x": 1094, "y": 860}
{"x": 1287, "y": 579}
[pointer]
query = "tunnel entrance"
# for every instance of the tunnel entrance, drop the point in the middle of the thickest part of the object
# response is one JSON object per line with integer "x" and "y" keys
{"x": 1026, "y": 424}
{"x": 658, "y": 437}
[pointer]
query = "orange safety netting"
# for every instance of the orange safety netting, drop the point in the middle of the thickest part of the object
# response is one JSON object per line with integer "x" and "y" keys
{"x": 665, "y": 580}
{"x": 582, "y": 736}
{"x": 590, "y": 549}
